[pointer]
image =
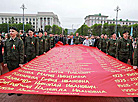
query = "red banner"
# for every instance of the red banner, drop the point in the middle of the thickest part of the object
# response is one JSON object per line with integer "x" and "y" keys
{"x": 73, "y": 70}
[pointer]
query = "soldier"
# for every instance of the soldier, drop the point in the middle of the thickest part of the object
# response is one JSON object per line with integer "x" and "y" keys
{"x": 101, "y": 41}
{"x": 104, "y": 43}
{"x": 42, "y": 43}
{"x": 1, "y": 54}
{"x": 135, "y": 58}
{"x": 31, "y": 46}
{"x": 13, "y": 52}
{"x": 77, "y": 39}
{"x": 111, "y": 46}
{"x": 51, "y": 41}
{"x": 46, "y": 40}
{"x": 124, "y": 48}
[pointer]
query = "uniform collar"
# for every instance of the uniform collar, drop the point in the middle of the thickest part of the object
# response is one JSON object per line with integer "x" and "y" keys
{"x": 13, "y": 39}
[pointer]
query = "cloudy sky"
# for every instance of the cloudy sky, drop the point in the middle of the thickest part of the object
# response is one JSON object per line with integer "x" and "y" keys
{"x": 73, "y": 12}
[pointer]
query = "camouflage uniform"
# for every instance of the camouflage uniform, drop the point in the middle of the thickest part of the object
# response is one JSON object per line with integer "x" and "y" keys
{"x": 76, "y": 40}
{"x": 47, "y": 43}
{"x": 51, "y": 42}
{"x": 31, "y": 48}
{"x": 42, "y": 45}
{"x": 124, "y": 50}
{"x": 111, "y": 47}
{"x": 103, "y": 45}
{"x": 135, "y": 58}
{"x": 13, "y": 53}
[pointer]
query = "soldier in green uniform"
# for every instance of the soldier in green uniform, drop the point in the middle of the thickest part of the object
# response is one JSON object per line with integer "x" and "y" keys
{"x": 13, "y": 52}
{"x": 135, "y": 58}
{"x": 42, "y": 43}
{"x": 47, "y": 42}
{"x": 31, "y": 46}
{"x": 111, "y": 46}
{"x": 77, "y": 40}
{"x": 101, "y": 41}
{"x": 51, "y": 41}
{"x": 104, "y": 43}
{"x": 124, "y": 48}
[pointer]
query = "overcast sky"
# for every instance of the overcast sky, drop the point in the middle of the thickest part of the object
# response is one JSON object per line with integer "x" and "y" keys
{"x": 74, "y": 11}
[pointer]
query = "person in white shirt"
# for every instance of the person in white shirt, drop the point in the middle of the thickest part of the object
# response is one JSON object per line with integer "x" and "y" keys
{"x": 86, "y": 42}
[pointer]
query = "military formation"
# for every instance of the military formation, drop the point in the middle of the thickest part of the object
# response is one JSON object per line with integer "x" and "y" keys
{"x": 20, "y": 48}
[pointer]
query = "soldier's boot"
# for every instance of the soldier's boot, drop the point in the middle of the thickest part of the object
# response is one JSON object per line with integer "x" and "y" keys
{"x": 10, "y": 94}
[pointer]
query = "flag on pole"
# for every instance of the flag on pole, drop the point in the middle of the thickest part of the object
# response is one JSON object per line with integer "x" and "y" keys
{"x": 131, "y": 31}
{"x": 119, "y": 34}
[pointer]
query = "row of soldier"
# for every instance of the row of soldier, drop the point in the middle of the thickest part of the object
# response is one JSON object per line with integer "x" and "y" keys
{"x": 124, "y": 48}
{"x": 35, "y": 45}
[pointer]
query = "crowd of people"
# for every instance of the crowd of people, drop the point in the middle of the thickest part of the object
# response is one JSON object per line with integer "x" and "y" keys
{"x": 20, "y": 48}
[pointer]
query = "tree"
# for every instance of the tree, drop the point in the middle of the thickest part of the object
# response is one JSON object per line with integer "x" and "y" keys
{"x": 65, "y": 31}
{"x": 56, "y": 29}
{"x": 96, "y": 29}
{"x": 105, "y": 28}
{"x": 47, "y": 28}
{"x": 83, "y": 30}
{"x": 111, "y": 29}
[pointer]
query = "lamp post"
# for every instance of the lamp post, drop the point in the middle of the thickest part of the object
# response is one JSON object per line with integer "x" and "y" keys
{"x": 117, "y": 9}
{"x": 23, "y": 7}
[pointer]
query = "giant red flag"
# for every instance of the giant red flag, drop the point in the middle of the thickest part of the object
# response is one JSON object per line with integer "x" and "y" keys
{"x": 73, "y": 70}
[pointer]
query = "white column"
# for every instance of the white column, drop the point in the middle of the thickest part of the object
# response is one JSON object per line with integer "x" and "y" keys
{"x": 43, "y": 23}
{"x": 39, "y": 23}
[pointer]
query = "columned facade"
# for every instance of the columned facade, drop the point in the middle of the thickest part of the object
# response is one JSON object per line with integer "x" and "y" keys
{"x": 38, "y": 21}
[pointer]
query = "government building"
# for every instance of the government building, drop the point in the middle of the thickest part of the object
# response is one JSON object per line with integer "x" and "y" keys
{"x": 38, "y": 21}
{"x": 101, "y": 19}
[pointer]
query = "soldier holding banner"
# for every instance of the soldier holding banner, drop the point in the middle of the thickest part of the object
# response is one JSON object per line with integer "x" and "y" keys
{"x": 42, "y": 43}
{"x": 124, "y": 48}
{"x": 111, "y": 46}
{"x": 31, "y": 46}
{"x": 13, "y": 52}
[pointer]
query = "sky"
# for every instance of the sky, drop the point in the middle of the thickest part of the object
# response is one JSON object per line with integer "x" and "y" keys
{"x": 71, "y": 13}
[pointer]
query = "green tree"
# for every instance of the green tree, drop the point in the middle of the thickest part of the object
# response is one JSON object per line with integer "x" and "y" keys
{"x": 48, "y": 28}
{"x": 96, "y": 29}
{"x": 65, "y": 31}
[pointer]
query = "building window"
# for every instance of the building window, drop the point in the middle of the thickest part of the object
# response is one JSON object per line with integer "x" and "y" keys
{"x": 26, "y": 22}
{"x": 126, "y": 23}
{"x": 19, "y": 22}
{"x": 5, "y": 18}
{"x": 129, "y": 23}
{"x": 16, "y": 22}
{"x": 30, "y": 19}
{"x": 110, "y": 22}
{"x": 16, "y": 19}
{"x": 2, "y": 18}
{"x": 19, "y": 19}
{"x": 26, "y": 19}
{"x": 33, "y": 22}
{"x": 33, "y": 19}
{"x": 2, "y": 22}
{"x": 113, "y": 22}
{"x": 123, "y": 22}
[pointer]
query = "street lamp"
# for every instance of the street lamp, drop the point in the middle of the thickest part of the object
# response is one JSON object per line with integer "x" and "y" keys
{"x": 117, "y": 9}
{"x": 23, "y": 7}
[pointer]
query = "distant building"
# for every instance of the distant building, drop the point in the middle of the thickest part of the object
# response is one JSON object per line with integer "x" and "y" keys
{"x": 101, "y": 19}
{"x": 38, "y": 20}
{"x": 71, "y": 31}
